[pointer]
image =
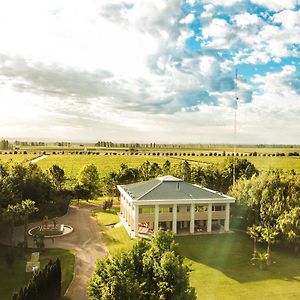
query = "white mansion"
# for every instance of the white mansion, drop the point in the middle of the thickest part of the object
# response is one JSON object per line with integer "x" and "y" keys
{"x": 171, "y": 203}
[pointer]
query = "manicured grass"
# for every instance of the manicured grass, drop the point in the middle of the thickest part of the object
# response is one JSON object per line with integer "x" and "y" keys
{"x": 117, "y": 240}
{"x": 106, "y": 218}
{"x": 221, "y": 269}
{"x": 16, "y": 157}
{"x": 72, "y": 164}
{"x": 12, "y": 279}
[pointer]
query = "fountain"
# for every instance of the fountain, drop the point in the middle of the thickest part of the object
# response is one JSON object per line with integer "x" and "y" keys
{"x": 50, "y": 231}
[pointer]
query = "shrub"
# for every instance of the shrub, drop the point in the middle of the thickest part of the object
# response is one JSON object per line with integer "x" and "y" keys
{"x": 107, "y": 204}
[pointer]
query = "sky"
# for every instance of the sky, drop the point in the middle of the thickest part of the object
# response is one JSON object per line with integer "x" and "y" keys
{"x": 151, "y": 70}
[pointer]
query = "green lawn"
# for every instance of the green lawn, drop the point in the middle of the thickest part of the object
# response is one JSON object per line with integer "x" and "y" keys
{"x": 106, "y": 218}
{"x": 12, "y": 279}
{"x": 221, "y": 269}
{"x": 72, "y": 164}
{"x": 117, "y": 240}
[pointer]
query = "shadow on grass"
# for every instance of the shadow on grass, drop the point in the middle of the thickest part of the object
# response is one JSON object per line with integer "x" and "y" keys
{"x": 231, "y": 254}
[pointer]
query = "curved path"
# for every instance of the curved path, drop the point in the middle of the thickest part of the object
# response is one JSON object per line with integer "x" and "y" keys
{"x": 35, "y": 160}
{"x": 85, "y": 240}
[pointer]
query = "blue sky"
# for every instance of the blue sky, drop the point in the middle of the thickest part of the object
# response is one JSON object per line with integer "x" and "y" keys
{"x": 150, "y": 71}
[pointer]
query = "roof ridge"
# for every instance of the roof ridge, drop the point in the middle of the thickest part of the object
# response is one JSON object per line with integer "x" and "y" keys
{"x": 159, "y": 183}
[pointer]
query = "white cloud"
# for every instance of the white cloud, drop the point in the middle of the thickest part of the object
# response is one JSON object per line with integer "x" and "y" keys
{"x": 246, "y": 19}
{"x": 188, "y": 19}
{"x": 288, "y": 19}
{"x": 276, "y": 5}
{"x": 222, "y": 2}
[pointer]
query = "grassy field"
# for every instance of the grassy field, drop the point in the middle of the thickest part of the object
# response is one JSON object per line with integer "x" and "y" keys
{"x": 117, "y": 240}
{"x": 261, "y": 162}
{"x": 12, "y": 279}
{"x": 221, "y": 269}
{"x": 17, "y": 157}
{"x": 72, "y": 164}
{"x": 106, "y": 218}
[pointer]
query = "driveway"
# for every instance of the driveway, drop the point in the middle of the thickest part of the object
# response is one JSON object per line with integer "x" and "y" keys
{"x": 85, "y": 240}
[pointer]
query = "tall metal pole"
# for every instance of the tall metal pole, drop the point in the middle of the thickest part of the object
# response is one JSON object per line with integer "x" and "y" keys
{"x": 236, "y": 98}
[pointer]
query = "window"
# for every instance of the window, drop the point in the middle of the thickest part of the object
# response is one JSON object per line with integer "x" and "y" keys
{"x": 146, "y": 210}
{"x": 166, "y": 209}
{"x": 218, "y": 208}
{"x": 200, "y": 208}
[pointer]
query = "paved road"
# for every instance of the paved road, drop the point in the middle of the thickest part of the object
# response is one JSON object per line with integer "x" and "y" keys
{"x": 35, "y": 160}
{"x": 85, "y": 240}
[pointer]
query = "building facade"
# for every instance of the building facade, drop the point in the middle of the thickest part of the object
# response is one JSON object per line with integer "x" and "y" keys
{"x": 171, "y": 203}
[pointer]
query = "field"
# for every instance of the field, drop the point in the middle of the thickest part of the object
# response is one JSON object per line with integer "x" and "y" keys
{"x": 221, "y": 269}
{"x": 17, "y": 157}
{"x": 72, "y": 164}
{"x": 13, "y": 278}
{"x": 261, "y": 162}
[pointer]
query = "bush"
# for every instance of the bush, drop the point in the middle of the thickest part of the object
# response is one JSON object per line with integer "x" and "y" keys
{"x": 107, "y": 204}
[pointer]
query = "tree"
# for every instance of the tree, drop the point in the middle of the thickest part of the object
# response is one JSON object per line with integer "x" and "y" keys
{"x": 89, "y": 179}
{"x": 268, "y": 235}
{"x": 57, "y": 176}
{"x": 151, "y": 270}
{"x": 11, "y": 214}
{"x": 254, "y": 232}
{"x": 27, "y": 207}
{"x": 167, "y": 167}
{"x": 272, "y": 199}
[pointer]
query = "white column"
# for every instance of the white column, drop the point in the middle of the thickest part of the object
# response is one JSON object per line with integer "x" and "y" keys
{"x": 192, "y": 219}
{"x": 174, "y": 218}
{"x": 209, "y": 209}
{"x": 227, "y": 215}
{"x": 125, "y": 208}
{"x": 136, "y": 220}
{"x": 156, "y": 217}
{"x": 122, "y": 205}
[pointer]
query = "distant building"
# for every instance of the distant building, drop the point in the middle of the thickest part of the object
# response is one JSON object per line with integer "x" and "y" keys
{"x": 171, "y": 203}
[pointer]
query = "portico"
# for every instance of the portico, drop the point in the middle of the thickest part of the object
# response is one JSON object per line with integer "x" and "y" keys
{"x": 171, "y": 203}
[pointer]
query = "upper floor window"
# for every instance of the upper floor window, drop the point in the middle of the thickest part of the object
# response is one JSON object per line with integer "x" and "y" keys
{"x": 218, "y": 207}
{"x": 200, "y": 208}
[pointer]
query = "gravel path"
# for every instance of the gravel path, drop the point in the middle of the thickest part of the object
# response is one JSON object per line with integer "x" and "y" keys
{"x": 85, "y": 240}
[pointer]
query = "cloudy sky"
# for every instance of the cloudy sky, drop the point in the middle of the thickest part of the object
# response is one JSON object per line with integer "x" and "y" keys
{"x": 150, "y": 70}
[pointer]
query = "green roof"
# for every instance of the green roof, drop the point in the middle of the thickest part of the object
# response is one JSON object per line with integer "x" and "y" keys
{"x": 169, "y": 188}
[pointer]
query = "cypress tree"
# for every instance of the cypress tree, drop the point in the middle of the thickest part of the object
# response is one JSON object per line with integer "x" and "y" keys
{"x": 58, "y": 278}
{"x": 15, "y": 296}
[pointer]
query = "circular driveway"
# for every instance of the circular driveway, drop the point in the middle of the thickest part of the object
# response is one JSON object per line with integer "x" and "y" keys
{"x": 85, "y": 240}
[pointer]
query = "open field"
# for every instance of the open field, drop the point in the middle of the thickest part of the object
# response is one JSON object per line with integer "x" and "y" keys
{"x": 13, "y": 278}
{"x": 72, "y": 164}
{"x": 17, "y": 157}
{"x": 260, "y": 162}
{"x": 221, "y": 269}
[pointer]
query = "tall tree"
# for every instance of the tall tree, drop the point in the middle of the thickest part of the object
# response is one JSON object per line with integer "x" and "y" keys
{"x": 27, "y": 207}
{"x": 150, "y": 271}
{"x": 57, "y": 176}
{"x": 89, "y": 179}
